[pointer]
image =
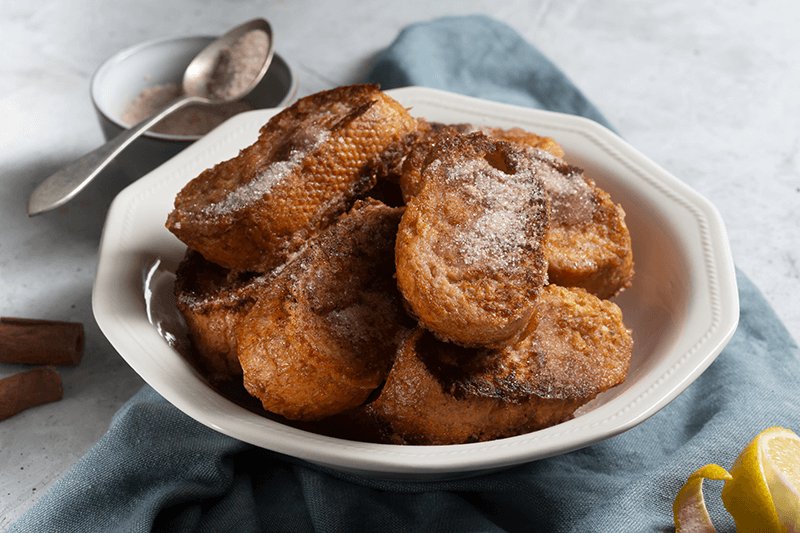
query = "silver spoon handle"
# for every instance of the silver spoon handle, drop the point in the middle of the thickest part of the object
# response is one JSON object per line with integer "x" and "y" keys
{"x": 61, "y": 187}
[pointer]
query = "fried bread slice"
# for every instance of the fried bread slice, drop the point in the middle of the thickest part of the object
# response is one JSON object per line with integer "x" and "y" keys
{"x": 422, "y": 152}
{"x": 323, "y": 336}
{"x": 437, "y": 393}
{"x": 469, "y": 248}
{"x": 212, "y": 300}
{"x": 414, "y": 408}
{"x": 587, "y": 243}
{"x": 576, "y": 346}
{"x": 310, "y": 162}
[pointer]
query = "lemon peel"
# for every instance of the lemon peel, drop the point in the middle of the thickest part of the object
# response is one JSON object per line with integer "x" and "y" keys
{"x": 761, "y": 491}
{"x": 689, "y": 509}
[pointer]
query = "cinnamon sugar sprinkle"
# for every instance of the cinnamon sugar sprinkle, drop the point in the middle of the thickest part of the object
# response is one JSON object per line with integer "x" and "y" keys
{"x": 235, "y": 69}
{"x": 251, "y": 191}
{"x": 498, "y": 237}
{"x": 571, "y": 198}
{"x": 191, "y": 120}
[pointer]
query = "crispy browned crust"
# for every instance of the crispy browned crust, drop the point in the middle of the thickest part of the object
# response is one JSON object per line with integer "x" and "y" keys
{"x": 424, "y": 150}
{"x": 389, "y": 166}
{"x": 587, "y": 242}
{"x": 469, "y": 248}
{"x": 414, "y": 408}
{"x": 212, "y": 300}
{"x": 310, "y": 162}
{"x": 439, "y": 393}
{"x": 317, "y": 331}
{"x": 515, "y": 135}
{"x": 324, "y": 334}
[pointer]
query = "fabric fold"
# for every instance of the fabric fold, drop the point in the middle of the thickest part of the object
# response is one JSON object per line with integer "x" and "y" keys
{"x": 482, "y": 57}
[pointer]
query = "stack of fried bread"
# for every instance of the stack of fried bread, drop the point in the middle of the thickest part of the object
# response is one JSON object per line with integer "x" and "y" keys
{"x": 434, "y": 284}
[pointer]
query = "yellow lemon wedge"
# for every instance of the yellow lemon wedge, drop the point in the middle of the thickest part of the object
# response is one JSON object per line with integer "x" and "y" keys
{"x": 764, "y": 494}
{"x": 761, "y": 492}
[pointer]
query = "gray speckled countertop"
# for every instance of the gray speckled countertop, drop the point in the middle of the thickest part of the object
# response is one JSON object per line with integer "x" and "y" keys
{"x": 709, "y": 92}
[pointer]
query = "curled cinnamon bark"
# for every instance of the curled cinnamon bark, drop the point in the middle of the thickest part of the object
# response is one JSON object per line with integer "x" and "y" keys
{"x": 29, "y": 389}
{"x": 40, "y": 342}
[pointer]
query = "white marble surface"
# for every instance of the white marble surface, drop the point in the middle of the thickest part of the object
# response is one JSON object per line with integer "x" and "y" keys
{"x": 707, "y": 89}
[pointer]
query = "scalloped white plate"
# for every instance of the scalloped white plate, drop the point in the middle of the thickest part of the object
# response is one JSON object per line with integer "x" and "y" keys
{"x": 683, "y": 306}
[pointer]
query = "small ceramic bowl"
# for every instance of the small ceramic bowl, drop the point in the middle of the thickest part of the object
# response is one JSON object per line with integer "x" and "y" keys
{"x": 121, "y": 78}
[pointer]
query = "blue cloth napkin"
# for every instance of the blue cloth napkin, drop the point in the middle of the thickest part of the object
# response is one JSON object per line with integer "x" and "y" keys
{"x": 157, "y": 469}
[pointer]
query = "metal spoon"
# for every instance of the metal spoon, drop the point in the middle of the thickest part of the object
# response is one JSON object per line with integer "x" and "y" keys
{"x": 65, "y": 184}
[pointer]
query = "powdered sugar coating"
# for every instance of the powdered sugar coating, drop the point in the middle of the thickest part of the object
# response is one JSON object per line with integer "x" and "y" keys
{"x": 496, "y": 238}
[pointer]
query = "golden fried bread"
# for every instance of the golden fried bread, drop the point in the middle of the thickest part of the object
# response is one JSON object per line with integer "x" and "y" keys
{"x": 471, "y": 313}
{"x": 415, "y": 408}
{"x": 469, "y": 248}
{"x": 310, "y": 162}
{"x": 576, "y": 346}
{"x": 324, "y": 334}
{"x": 432, "y": 140}
{"x": 213, "y": 300}
{"x": 587, "y": 243}
{"x": 439, "y": 393}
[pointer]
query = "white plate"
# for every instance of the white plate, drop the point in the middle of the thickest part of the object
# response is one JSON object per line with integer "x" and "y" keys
{"x": 683, "y": 306}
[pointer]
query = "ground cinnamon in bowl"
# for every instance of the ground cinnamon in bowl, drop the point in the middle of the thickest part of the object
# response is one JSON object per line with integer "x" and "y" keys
{"x": 238, "y": 65}
{"x": 191, "y": 120}
{"x": 235, "y": 67}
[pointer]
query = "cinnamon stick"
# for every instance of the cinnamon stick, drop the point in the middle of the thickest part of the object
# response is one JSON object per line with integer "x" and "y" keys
{"x": 40, "y": 342}
{"x": 29, "y": 389}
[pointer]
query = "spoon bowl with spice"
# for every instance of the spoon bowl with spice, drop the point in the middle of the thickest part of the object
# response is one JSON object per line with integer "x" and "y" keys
{"x": 222, "y": 73}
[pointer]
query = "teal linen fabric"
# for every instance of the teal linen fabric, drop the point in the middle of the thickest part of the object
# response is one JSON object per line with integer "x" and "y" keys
{"x": 479, "y": 56}
{"x": 157, "y": 469}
